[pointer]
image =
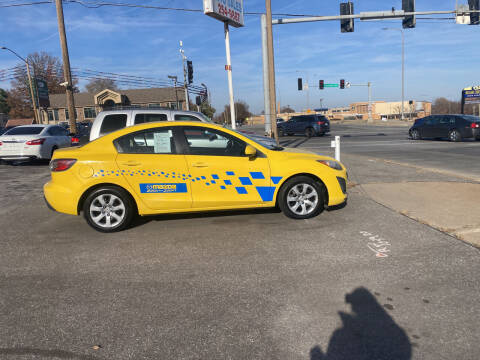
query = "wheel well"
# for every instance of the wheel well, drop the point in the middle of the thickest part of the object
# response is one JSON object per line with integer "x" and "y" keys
{"x": 95, "y": 187}
{"x": 313, "y": 177}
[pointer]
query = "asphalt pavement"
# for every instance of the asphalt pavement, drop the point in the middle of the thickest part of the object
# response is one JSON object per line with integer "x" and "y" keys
{"x": 359, "y": 282}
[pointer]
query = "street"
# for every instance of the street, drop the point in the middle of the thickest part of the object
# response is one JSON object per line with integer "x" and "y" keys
{"x": 248, "y": 284}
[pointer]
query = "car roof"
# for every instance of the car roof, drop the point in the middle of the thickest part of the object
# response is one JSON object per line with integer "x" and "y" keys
{"x": 145, "y": 126}
{"x": 34, "y": 125}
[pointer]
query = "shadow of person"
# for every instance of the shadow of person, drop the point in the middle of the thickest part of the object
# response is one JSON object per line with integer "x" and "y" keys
{"x": 369, "y": 333}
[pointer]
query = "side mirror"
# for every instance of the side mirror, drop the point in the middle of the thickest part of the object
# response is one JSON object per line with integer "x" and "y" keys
{"x": 250, "y": 151}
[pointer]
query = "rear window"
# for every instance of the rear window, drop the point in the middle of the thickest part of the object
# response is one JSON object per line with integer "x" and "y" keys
{"x": 29, "y": 130}
{"x": 113, "y": 123}
{"x": 147, "y": 118}
{"x": 471, "y": 118}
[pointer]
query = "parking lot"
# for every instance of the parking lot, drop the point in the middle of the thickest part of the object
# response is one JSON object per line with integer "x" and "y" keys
{"x": 366, "y": 281}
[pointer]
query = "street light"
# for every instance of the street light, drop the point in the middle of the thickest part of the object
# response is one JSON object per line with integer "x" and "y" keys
{"x": 29, "y": 81}
{"x": 403, "y": 66}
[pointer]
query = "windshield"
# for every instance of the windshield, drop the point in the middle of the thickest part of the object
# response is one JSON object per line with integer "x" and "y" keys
{"x": 28, "y": 130}
{"x": 264, "y": 141}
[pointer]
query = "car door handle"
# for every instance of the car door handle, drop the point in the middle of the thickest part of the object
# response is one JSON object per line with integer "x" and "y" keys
{"x": 132, "y": 163}
{"x": 200, "y": 165}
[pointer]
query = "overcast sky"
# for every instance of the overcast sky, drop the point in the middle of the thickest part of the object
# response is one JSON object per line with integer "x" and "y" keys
{"x": 441, "y": 57}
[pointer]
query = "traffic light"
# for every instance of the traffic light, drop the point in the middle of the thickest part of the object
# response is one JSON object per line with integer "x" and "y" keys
{"x": 300, "y": 84}
{"x": 474, "y": 17}
{"x": 342, "y": 84}
{"x": 347, "y": 25}
{"x": 409, "y": 21}
{"x": 190, "y": 71}
{"x": 321, "y": 85}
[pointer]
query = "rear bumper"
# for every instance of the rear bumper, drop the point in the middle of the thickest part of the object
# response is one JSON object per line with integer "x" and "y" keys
{"x": 60, "y": 198}
{"x": 17, "y": 157}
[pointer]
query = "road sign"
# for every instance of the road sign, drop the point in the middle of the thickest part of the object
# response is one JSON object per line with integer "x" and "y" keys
{"x": 331, "y": 85}
{"x": 230, "y": 11}
{"x": 471, "y": 95}
{"x": 42, "y": 89}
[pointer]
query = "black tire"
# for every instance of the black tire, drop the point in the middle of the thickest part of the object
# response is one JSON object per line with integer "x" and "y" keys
{"x": 286, "y": 206}
{"x": 109, "y": 192}
{"x": 309, "y": 132}
{"x": 454, "y": 136}
{"x": 415, "y": 134}
{"x": 478, "y": 139}
{"x": 290, "y": 134}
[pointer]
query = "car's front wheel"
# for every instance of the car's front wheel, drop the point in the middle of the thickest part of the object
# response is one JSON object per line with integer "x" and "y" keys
{"x": 415, "y": 134}
{"x": 108, "y": 209}
{"x": 301, "y": 198}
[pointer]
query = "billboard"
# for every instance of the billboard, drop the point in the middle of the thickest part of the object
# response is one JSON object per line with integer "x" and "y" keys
{"x": 230, "y": 11}
{"x": 42, "y": 93}
{"x": 471, "y": 95}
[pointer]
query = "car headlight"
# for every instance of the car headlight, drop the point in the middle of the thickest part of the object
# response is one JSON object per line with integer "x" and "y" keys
{"x": 330, "y": 163}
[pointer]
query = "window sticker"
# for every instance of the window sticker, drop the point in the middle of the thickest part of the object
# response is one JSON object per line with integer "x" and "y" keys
{"x": 162, "y": 143}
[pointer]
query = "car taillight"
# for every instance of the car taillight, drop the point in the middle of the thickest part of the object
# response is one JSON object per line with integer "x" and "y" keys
{"x": 75, "y": 141}
{"x": 61, "y": 164}
{"x": 35, "y": 142}
{"x": 475, "y": 125}
{"x": 1, "y": 143}
{"x": 320, "y": 122}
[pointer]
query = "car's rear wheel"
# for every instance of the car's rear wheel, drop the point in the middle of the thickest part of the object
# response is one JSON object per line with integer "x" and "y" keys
{"x": 454, "y": 136}
{"x": 301, "y": 198}
{"x": 309, "y": 132}
{"x": 415, "y": 134}
{"x": 108, "y": 209}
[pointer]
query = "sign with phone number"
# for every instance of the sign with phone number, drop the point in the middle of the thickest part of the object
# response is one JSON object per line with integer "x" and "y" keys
{"x": 225, "y": 10}
{"x": 471, "y": 94}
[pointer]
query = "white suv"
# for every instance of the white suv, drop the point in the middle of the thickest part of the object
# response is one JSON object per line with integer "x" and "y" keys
{"x": 110, "y": 121}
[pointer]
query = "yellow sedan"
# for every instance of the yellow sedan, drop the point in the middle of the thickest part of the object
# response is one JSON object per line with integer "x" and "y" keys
{"x": 182, "y": 167}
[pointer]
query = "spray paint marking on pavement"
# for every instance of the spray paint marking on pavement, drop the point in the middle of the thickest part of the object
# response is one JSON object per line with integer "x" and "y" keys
{"x": 379, "y": 246}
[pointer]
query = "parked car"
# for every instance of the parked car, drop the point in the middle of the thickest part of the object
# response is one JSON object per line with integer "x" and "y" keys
{"x": 3, "y": 130}
{"x": 310, "y": 125}
{"x": 180, "y": 167}
{"x": 110, "y": 121}
{"x": 453, "y": 127}
{"x": 28, "y": 142}
{"x": 82, "y": 136}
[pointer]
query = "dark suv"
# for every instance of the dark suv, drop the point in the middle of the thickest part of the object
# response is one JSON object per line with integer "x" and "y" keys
{"x": 453, "y": 127}
{"x": 310, "y": 125}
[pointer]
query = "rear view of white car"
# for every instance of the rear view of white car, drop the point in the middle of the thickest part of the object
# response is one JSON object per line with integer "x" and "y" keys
{"x": 30, "y": 142}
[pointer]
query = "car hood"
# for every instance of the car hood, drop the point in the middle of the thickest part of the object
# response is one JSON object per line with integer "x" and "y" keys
{"x": 304, "y": 154}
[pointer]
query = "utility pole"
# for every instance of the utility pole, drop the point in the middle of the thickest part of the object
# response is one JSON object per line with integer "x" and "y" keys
{"x": 271, "y": 71}
{"x": 185, "y": 84}
{"x": 34, "y": 105}
{"x": 66, "y": 67}
{"x": 175, "y": 79}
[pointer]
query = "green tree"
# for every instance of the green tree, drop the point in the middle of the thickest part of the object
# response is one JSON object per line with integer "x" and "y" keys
{"x": 207, "y": 109}
{"x": 4, "y": 106}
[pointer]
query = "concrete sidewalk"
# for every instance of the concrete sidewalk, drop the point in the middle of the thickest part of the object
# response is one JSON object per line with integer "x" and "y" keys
{"x": 452, "y": 207}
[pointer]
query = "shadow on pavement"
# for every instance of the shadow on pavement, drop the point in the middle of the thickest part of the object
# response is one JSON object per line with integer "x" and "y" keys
{"x": 142, "y": 220}
{"x": 47, "y": 354}
{"x": 368, "y": 333}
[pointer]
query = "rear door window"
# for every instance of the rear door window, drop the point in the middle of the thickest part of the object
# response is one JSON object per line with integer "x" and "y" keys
{"x": 113, "y": 123}
{"x": 181, "y": 117}
{"x": 149, "y": 117}
{"x": 151, "y": 141}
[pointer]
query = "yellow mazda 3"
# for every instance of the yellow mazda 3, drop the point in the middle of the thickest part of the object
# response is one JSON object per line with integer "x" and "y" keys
{"x": 179, "y": 167}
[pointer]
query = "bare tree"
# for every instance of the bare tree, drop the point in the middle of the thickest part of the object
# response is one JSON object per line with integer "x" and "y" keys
{"x": 97, "y": 85}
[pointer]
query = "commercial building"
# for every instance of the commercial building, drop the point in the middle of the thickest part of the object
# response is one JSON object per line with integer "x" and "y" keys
{"x": 382, "y": 110}
{"x": 88, "y": 105}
